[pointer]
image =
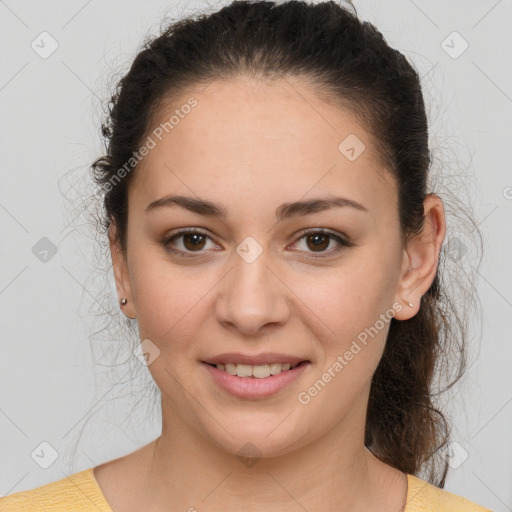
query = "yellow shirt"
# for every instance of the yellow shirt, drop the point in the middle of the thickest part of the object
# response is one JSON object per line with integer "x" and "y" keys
{"x": 80, "y": 492}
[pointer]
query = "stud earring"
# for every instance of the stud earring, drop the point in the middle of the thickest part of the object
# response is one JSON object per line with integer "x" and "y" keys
{"x": 410, "y": 305}
{"x": 123, "y": 302}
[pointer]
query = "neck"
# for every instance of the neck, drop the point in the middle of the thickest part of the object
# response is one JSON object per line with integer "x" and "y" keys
{"x": 332, "y": 472}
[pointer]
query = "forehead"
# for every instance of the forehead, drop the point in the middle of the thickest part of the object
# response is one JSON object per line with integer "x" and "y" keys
{"x": 276, "y": 138}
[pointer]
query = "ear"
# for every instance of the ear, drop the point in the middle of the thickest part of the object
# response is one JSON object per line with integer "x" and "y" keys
{"x": 422, "y": 254}
{"x": 121, "y": 273}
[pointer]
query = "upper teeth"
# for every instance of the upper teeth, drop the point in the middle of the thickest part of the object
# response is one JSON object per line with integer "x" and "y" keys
{"x": 260, "y": 371}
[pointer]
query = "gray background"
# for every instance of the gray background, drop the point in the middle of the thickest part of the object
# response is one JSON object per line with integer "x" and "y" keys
{"x": 52, "y": 384}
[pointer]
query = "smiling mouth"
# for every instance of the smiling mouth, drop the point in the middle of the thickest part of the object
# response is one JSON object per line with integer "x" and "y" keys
{"x": 259, "y": 371}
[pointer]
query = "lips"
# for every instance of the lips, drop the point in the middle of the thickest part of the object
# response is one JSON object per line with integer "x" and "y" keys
{"x": 254, "y": 360}
{"x": 253, "y": 388}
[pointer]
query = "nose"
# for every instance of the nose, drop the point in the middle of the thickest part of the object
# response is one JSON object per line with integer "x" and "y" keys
{"x": 252, "y": 297}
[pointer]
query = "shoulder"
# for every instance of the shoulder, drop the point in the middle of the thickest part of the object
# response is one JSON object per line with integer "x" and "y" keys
{"x": 78, "y": 492}
{"x": 425, "y": 497}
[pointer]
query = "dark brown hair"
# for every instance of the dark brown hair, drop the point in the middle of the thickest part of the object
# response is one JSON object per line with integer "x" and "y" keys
{"x": 352, "y": 66}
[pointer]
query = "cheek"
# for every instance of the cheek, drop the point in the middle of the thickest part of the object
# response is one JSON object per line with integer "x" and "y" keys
{"x": 167, "y": 298}
{"x": 351, "y": 335}
{"x": 352, "y": 296}
{"x": 354, "y": 306}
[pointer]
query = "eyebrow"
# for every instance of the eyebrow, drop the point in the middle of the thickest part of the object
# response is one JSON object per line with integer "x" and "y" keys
{"x": 285, "y": 211}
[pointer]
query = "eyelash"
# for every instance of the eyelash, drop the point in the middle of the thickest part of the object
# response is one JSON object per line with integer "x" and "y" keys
{"x": 194, "y": 254}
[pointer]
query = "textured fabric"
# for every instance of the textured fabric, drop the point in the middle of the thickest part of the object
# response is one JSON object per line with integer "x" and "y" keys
{"x": 77, "y": 493}
{"x": 80, "y": 492}
{"x": 425, "y": 497}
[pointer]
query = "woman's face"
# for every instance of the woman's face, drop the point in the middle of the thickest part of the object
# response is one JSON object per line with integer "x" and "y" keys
{"x": 254, "y": 281}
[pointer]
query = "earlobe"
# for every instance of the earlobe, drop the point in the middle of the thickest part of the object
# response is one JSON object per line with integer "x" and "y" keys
{"x": 406, "y": 284}
{"x": 121, "y": 273}
{"x": 421, "y": 257}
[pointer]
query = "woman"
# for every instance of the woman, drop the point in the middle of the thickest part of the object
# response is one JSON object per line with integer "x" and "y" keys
{"x": 271, "y": 231}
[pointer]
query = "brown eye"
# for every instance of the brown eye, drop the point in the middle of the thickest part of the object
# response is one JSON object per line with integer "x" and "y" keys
{"x": 194, "y": 241}
{"x": 318, "y": 241}
{"x": 187, "y": 242}
{"x": 322, "y": 242}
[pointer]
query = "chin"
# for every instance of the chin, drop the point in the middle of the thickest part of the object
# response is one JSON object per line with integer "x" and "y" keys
{"x": 257, "y": 441}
